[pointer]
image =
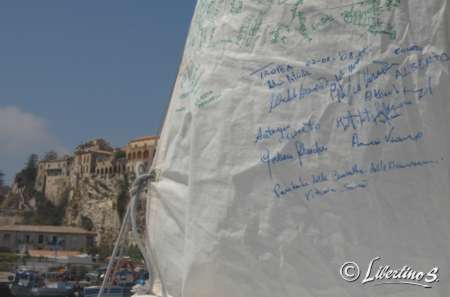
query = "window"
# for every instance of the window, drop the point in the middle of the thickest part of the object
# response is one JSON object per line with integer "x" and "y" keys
{"x": 27, "y": 238}
{"x": 6, "y": 236}
{"x": 41, "y": 239}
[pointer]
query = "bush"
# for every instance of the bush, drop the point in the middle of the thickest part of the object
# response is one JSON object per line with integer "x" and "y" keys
{"x": 46, "y": 212}
{"x": 105, "y": 250}
{"x": 119, "y": 155}
{"x": 8, "y": 257}
{"x": 123, "y": 198}
{"x": 135, "y": 254}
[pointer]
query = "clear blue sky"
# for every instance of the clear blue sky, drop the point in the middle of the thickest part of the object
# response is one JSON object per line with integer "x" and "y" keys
{"x": 76, "y": 70}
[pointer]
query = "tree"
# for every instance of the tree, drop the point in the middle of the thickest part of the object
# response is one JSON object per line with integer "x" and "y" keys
{"x": 123, "y": 197}
{"x": 119, "y": 155}
{"x": 51, "y": 156}
{"x": 134, "y": 253}
{"x": 2, "y": 181}
{"x": 46, "y": 212}
{"x": 26, "y": 177}
{"x": 30, "y": 170}
{"x": 105, "y": 250}
{"x": 2, "y": 187}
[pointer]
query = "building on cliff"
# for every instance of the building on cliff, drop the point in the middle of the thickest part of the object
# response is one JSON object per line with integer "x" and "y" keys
{"x": 114, "y": 165}
{"x": 88, "y": 154}
{"x": 53, "y": 176}
{"x": 141, "y": 151}
{"x": 93, "y": 159}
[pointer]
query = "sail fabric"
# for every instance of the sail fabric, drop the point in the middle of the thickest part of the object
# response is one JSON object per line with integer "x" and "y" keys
{"x": 305, "y": 152}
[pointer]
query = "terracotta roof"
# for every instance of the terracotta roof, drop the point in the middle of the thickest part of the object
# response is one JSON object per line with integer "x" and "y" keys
{"x": 145, "y": 138}
{"x": 46, "y": 229}
{"x": 51, "y": 254}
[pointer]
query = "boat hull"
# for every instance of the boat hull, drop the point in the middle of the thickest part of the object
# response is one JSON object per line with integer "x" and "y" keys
{"x": 40, "y": 292}
{"x": 115, "y": 291}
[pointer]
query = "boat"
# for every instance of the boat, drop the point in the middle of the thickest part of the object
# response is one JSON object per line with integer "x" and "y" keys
{"x": 125, "y": 277}
{"x": 305, "y": 152}
{"x": 30, "y": 283}
{"x": 121, "y": 287}
{"x": 112, "y": 291}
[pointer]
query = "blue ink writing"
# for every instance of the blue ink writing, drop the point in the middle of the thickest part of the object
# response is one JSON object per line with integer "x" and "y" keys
{"x": 304, "y": 151}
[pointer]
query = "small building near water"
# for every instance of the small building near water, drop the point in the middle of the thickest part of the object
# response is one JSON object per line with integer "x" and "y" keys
{"x": 32, "y": 237}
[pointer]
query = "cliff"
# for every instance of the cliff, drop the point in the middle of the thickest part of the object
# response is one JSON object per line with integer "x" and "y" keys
{"x": 87, "y": 189}
{"x": 95, "y": 204}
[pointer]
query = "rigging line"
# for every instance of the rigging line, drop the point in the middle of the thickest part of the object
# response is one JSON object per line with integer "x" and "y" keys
{"x": 115, "y": 252}
{"x": 118, "y": 249}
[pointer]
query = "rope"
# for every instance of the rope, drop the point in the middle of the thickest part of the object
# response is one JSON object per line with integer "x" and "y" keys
{"x": 130, "y": 218}
{"x": 115, "y": 252}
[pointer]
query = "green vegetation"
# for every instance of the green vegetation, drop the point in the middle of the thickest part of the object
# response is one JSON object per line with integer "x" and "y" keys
{"x": 119, "y": 155}
{"x": 104, "y": 250}
{"x": 134, "y": 253}
{"x": 7, "y": 260}
{"x": 3, "y": 190}
{"x": 50, "y": 156}
{"x": 2, "y": 181}
{"x": 123, "y": 197}
{"x": 27, "y": 176}
{"x": 8, "y": 257}
{"x": 46, "y": 213}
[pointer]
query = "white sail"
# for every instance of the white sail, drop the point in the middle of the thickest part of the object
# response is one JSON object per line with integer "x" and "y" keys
{"x": 304, "y": 137}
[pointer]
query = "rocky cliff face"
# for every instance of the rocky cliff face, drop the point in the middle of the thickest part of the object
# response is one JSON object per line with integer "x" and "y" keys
{"x": 93, "y": 204}
{"x": 18, "y": 198}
